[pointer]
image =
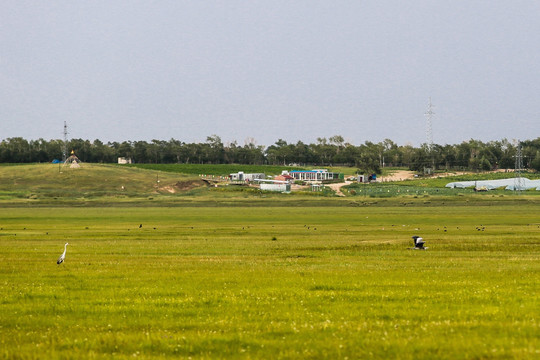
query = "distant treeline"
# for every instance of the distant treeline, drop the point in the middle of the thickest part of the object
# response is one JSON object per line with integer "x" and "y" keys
{"x": 369, "y": 157}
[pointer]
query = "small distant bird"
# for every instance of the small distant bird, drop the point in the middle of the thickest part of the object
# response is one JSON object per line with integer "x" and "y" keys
{"x": 140, "y": 226}
{"x": 63, "y": 256}
{"x": 418, "y": 242}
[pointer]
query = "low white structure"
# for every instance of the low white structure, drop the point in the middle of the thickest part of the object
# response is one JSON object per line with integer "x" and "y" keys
{"x": 241, "y": 176}
{"x": 279, "y": 187}
{"x": 124, "y": 160}
{"x": 508, "y": 184}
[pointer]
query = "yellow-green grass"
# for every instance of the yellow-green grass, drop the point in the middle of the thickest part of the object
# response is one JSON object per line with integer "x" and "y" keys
{"x": 213, "y": 169}
{"x": 226, "y": 169}
{"x": 49, "y": 182}
{"x": 318, "y": 282}
{"x": 112, "y": 185}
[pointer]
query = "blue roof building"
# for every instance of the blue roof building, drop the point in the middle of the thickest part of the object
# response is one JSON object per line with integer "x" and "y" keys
{"x": 315, "y": 175}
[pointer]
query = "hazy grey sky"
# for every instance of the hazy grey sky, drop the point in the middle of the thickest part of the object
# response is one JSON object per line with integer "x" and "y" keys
{"x": 295, "y": 70}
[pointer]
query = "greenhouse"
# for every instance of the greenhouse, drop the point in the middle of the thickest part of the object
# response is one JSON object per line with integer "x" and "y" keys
{"x": 508, "y": 184}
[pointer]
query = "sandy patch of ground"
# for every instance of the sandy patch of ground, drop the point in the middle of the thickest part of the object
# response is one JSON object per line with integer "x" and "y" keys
{"x": 399, "y": 175}
{"x": 184, "y": 186}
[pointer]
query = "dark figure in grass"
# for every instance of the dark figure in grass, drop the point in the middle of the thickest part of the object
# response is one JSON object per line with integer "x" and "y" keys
{"x": 418, "y": 242}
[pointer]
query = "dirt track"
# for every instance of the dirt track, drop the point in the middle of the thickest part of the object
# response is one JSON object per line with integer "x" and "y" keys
{"x": 337, "y": 187}
{"x": 399, "y": 176}
{"x": 396, "y": 176}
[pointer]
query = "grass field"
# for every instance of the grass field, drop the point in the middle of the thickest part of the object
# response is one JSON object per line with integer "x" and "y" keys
{"x": 164, "y": 185}
{"x": 271, "y": 282}
{"x": 212, "y": 169}
{"x": 226, "y": 169}
{"x": 54, "y": 182}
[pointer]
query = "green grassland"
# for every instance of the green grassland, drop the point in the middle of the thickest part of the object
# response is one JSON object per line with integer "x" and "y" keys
{"x": 166, "y": 185}
{"x": 236, "y": 273}
{"x": 215, "y": 169}
{"x": 226, "y": 169}
{"x": 48, "y": 182}
{"x": 270, "y": 282}
{"x": 416, "y": 189}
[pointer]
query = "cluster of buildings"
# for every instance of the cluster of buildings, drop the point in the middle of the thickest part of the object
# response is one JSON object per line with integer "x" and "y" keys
{"x": 283, "y": 182}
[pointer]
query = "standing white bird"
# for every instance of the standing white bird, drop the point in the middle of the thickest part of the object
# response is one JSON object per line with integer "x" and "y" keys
{"x": 63, "y": 256}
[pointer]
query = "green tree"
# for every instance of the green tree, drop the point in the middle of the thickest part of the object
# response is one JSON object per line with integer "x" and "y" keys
{"x": 535, "y": 163}
{"x": 279, "y": 153}
{"x": 368, "y": 161}
{"x": 215, "y": 153}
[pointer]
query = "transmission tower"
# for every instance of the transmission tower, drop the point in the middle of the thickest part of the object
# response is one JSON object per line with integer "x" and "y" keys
{"x": 430, "y": 114}
{"x": 64, "y": 151}
{"x": 518, "y": 180}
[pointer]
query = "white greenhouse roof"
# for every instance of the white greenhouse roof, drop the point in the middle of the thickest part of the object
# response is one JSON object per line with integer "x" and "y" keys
{"x": 508, "y": 184}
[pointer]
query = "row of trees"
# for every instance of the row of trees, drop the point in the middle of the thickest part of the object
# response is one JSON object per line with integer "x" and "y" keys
{"x": 369, "y": 157}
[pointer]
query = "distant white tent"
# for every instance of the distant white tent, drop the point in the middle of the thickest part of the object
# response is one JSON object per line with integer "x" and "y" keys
{"x": 73, "y": 161}
{"x": 508, "y": 184}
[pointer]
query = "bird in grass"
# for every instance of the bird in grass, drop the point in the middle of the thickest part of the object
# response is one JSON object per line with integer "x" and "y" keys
{"x": 418, "y": 242}
{"x": 63, "y": 256}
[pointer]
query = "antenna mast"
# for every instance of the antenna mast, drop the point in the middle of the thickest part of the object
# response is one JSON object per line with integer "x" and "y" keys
{"x": 64, "y": 153}
{"x": 429, "y": 114}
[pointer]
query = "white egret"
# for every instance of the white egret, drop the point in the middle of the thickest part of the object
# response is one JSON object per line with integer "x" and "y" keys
{"x": 63, "y": 256}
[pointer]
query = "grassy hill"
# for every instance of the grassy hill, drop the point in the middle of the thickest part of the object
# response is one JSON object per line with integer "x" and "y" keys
{"x": 47, "y": 181}
{"x": 112, "y": 185}
{"x": 166, "y": 185}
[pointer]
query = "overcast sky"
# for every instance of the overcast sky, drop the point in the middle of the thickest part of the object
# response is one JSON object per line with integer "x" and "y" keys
{"x": 294, "y": 70}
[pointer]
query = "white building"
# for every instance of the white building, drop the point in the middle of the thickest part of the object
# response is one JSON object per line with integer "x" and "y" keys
{"x": 315, "y": 175}
{"x": 241, "y": 176}
{"x": 279, "y": 187}
{"x": 124, "y": 160}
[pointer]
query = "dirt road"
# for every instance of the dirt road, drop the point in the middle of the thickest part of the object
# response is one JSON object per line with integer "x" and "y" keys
{"x": 399, "y": 175}
{"x": 337, "y": 187}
